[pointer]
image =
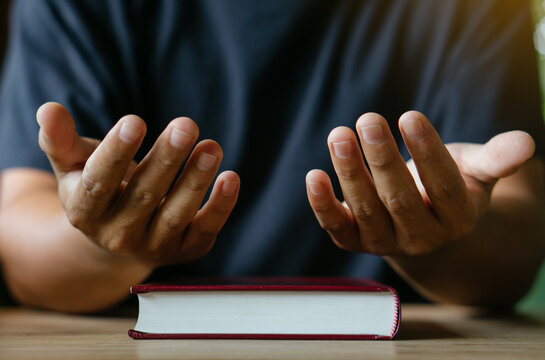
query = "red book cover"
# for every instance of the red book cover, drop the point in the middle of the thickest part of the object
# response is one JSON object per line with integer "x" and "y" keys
{"x": 302, "y": 289}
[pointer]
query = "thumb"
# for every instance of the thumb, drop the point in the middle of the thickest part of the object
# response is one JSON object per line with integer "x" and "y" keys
{"x": 501, "y": 156}
{"x": 58, "y": 138}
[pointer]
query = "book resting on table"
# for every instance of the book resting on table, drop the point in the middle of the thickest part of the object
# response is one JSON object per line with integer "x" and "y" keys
{"x": 267, "y": 308}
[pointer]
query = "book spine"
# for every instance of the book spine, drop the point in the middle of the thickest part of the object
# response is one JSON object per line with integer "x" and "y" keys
{"x": 397, "y": 314}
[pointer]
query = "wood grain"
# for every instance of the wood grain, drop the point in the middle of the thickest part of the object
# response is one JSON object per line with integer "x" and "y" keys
{"x": 427, "y": 332}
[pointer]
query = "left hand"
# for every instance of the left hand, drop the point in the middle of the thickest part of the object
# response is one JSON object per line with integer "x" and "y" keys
{"x": 410, "y": 208}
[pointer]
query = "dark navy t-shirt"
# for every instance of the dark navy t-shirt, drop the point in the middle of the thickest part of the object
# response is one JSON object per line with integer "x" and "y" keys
{"x": 268, "y": 80}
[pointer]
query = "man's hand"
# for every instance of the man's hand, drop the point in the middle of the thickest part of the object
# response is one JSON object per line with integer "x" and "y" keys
{"x": 135, "y": 210}
{"x": 409, "y": 209}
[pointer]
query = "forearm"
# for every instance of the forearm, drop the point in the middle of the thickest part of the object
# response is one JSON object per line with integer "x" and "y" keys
{"x": 496, "y": 264}
{"x": 135, "y": 217}
{"x": 48, "y": 263}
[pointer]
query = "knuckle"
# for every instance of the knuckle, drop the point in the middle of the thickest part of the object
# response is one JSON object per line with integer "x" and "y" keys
{"x": 363, "y": 212}
{"x": 120, "y": 241}
{"x": 321, "y": 208}
{"x": 173, "y": 221}
{"x": 196, "y": 186}
{"x": 145, "y": 198}
{"x": 348, "y": 172}
{"x": 114, "y": 158}
{"x": 119, "y": 246}
{"x": 221, "y": 209}
{"x": 444, "y": 191}
{"x": 77, "y": 218}
{"x": 381, "y": 161}
{"x": 399, "y": 205}
{"x": 167, "y": 163}
{"x": 115, "y": 246}
{"x": 333, "y": 227}
{"x": 92, "y": 187}
{"x": 428, "y": 157}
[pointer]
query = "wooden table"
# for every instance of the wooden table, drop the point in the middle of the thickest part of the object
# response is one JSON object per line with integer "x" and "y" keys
{"x": 427, "y": 332}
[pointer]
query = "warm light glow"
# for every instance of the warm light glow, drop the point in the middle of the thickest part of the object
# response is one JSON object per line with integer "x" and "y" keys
{"x": 539, "y": 33}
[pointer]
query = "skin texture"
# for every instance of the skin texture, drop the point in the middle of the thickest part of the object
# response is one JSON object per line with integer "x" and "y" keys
{"x": 111, "y": 221}
{"x": 459, "y": 222}
{"x": 437, "y": 219}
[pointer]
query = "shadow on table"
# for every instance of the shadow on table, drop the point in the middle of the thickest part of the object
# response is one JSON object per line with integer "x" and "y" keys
{"x": 264, "y": 349}
{"x": 424, "y": 330}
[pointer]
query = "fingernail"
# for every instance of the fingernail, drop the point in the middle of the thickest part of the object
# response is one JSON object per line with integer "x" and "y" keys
{"x": 229, "y": 188}
{"x": 315, "y": 187}
{"x": 206, "y": 161}
{"x": 180, "y": 139}
{"x": 342, "y": 149}
{"x": 129, "y": 133}
{"x": 39, "y": 115}
{"x": 413, "y": 129}
{"x": 372, "y": 134}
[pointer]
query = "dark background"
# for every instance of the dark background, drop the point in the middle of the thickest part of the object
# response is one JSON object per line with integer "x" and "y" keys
{"x": 4, "y": 10}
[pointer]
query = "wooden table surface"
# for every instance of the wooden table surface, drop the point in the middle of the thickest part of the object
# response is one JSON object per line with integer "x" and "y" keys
{"x": 427, "y": 332}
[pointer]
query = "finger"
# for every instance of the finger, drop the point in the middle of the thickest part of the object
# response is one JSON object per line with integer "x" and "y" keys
{"x": 154, "y": 175}
{"x": 439, "y": 174}
{"x": 58, "y": 138}
{"x": 207, "y": 223}
{"x": 107, "y": 166}
{"x": 415, "y": 227}
{"x": 501, "y": 156}
{"x": 359, "y": 192}
{"x": 185, "y": 199}
{"x": 331, "y": 214}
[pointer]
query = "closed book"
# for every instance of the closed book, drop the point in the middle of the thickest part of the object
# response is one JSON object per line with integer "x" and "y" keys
{"x": 267, "y": 308}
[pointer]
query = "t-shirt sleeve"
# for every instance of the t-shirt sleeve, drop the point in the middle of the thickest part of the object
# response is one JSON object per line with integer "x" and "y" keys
{"x": 52, "y": 56}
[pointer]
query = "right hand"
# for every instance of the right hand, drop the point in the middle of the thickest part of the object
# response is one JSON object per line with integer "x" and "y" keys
{"x": 134, "y": 209}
